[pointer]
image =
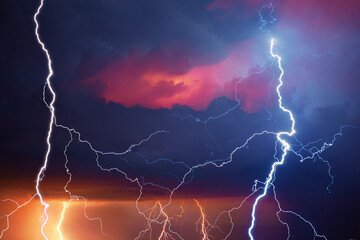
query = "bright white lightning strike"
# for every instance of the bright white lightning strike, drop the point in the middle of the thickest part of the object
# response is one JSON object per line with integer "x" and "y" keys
{"x": 285, "y": 144}
{"x": 65, "y": 205}
{"x": 52, "y": 116}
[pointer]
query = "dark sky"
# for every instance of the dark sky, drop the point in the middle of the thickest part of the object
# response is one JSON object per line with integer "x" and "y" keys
{"x": 125, "y": 69}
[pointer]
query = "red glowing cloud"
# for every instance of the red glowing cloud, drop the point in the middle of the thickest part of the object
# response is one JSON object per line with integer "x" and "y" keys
{"x": 162, "y": 78}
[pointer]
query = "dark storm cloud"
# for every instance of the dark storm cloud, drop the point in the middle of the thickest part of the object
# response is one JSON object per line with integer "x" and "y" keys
{"x": 74, "y": 30}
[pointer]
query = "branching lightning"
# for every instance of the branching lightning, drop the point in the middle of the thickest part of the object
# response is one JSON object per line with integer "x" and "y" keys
{"x": 203, "y": 222}
{"x": 161, "y": 217}
{"x": 7, "y": 216}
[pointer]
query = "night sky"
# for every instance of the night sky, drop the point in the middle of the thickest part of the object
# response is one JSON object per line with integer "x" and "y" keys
{"x": 174, "y": 85}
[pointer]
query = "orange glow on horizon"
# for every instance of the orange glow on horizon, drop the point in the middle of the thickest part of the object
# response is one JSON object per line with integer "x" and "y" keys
{"x": 65, "y": 205}
{"x": 122, "y": 221}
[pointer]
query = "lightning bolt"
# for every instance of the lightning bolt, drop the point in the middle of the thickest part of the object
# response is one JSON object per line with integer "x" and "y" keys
{"x": 65, "y": 206}
{"x": 310, "y": 148}
{"x": 203, "y": 221}
{"x": 284, "y": 143}
{"x": 51, "y": 107}
{"x": 164, "y": 235}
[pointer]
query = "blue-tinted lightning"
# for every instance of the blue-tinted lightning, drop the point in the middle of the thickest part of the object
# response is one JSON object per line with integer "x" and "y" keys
{"x": 285, "y": 145}
{"x": 263, "y": 20}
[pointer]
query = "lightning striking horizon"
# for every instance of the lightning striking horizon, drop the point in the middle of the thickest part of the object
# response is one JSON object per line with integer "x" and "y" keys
{"x": 65, "y": 206}
{"x": 52, "y": 123}
{"x": 202, "y": 221}
{"x": 162, "y": 218}
{"x": 51, "y": 107}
